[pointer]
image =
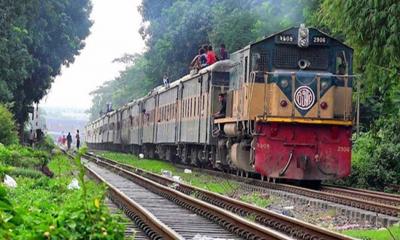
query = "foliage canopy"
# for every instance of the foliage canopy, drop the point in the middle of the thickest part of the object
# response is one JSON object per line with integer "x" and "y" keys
{"x": 37, "y": 37}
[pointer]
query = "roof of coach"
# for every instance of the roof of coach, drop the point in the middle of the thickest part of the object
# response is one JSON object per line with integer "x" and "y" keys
{"x": 290, "y": 30}
{"x": 220, "y": 66}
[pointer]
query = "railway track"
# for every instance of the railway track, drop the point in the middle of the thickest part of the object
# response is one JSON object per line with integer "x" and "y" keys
{"x": 131, "y": 230}
{"x": 168, "y": 211}
{"x": 285, "y": 225}
{"x": 379, "y": 197}
{"x": 382, "y": 203}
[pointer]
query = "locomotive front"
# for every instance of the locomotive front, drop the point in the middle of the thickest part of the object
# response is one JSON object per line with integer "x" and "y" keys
{"x": 305, "y": 129}
{"x": 289, "y": 107}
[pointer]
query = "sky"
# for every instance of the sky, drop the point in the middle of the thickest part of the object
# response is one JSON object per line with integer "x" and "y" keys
{"x": 113, "y": 33}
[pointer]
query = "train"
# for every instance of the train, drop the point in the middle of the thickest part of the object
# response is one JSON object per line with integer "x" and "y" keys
{"x": 289, "y": 112}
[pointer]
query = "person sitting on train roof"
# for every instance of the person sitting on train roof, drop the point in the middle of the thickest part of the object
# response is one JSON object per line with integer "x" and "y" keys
{"x": 211, "y": 57}
{"x": 223, "y": 53}
{"x": 203, "y": 58}
{"x": 222, "y": 107}
{"x": 199, "y": 61}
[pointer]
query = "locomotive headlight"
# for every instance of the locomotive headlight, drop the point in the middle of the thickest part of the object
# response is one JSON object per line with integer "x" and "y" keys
{"x": 324, "y": 85}
{"x": 284, "y": 83}
{"x": 302, "y": 36}
{"x": 303, "y": 33}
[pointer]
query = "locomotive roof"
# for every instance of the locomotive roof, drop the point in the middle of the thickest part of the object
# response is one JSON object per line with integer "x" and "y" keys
{"x": 288, "y": 30}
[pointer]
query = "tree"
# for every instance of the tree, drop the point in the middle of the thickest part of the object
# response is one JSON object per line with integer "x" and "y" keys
{"x": 371, "y": 28}
{"x": 38, "y": 37}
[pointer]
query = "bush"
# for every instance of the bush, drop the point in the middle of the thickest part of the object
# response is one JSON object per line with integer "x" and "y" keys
{"x": 8, "y": 132}
{"x": 25, "y": 172}
{"x": 19, "y": 156}
{"x": 46, "y": 144}
{"x": 52, "y": 211}
{"x": 376, "y": 155}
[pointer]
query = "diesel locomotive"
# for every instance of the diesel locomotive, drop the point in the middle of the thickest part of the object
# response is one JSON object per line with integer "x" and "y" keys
{"x": 288, "y": 112}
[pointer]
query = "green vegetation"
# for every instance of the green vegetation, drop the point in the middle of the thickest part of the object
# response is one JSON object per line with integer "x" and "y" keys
{"x": 52, "y": 211}
{"x": 214, "y": 184}
{"x": 8, "y": 133}
{"x": 16, "y": 160}
{"x": 257, "y": 198}
{"x": 392, "y": 233}
{"x": 36, "y": 39}
{"x": 371, "y": 28}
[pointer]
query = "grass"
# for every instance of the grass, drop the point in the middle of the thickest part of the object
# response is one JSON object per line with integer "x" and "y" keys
{"x": 257, "y": 199}
{"x": 214, "y": 184}
{"x": 381, "y": 234}
{"x": 62, "y": 165}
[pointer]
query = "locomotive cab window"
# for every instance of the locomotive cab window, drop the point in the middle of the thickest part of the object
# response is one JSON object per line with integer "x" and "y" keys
{"x": 236, "y": 72}
{"x": 341, "y": 63}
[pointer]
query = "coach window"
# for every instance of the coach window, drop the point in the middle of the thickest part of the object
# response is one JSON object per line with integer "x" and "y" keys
{"x": 245, "y": 68}
{"x": 164, "y": 113}
{"x": 195, "y": 106}
{"x": 183, "y": 108}
{"x": 187, "y": 107}
{"x": 190, "y": 107}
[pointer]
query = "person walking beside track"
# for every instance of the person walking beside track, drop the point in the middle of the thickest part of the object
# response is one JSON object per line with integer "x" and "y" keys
{"x": 69, "y": 140}
{"x": 78, "y": 141}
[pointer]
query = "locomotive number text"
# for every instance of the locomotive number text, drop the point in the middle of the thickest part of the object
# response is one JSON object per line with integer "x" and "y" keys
{"x": 343, "y": 149}
{"x": 285, "y": 38}
{"x": 320, "y": 40}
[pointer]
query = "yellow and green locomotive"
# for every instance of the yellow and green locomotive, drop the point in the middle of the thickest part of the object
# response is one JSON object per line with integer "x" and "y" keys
{"x": 289, "y": 111}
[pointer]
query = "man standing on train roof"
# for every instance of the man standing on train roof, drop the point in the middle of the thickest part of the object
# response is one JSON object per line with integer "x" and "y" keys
{"x": 69, "y": 140}
{"x": 166, "y": 81}
{"x": 211, "y": 57}
{"x": 223, "y": 53}
{"x": 222, "y": 107}
{"x": 78, "y": 140}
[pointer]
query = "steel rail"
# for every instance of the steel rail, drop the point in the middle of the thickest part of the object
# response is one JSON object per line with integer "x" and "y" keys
{"x": 234, "y": 223}
{"x": 348, "y": 200}
{"x": 287, "y": 225}
{"x": 153, "y": 228}
{"x": 363, "y": 194}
